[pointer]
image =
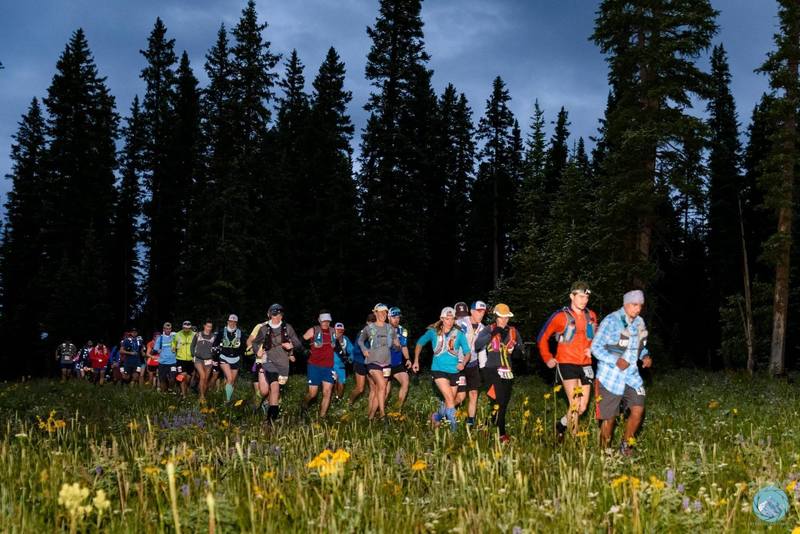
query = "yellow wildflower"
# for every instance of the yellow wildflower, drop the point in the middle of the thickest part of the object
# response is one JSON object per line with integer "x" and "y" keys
{"x": 617, "y": 482}
{"x": 526, "y": 414}
{"x": 100, "y": 501}
{"x": 266, "y": 475}
{"x": 525, "y": 402}
{"x": 556, "y": 388}
{"x": 238, "y": 402}
{"x": 713, "y": 405}
{"x": 582, "y": 434}
{"x": 791, "y": 485}
{"x": 577, "y": 392}
{"x": 71, "y": 497}
{"x": 133, "y": 425}
{"x": 419, "y": 465}
{"x": 547, "y": 396}
{"x": 631, "y": 441}
{"x": 656, "y": 483}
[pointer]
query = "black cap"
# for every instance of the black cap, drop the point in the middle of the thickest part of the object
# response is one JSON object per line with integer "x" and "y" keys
{"x": 462, "y": 310}
{"x": 275, "y": 309}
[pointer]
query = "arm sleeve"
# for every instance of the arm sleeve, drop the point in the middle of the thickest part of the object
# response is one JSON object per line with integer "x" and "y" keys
{"x": 362, "y": 339}
{"x": 193, "y": 346}
{"x": 482, "y": 340}
{"x": 157, "y": 345}
{"x": 425, "y": 338}
{"x": 644, "y": 352}
{"x": 601, "y": 339}
{"x": 555, "y": 323}
{"x": 293, "y": 337}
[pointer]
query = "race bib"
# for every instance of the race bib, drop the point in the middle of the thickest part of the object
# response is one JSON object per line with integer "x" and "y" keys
{"x": 462, "y": 381}
{"x": 640, "y": 391}
{"x": 588, "y": 372}
{"x": 173, "y": 369}
{"x": 387, "y": 372}
{"x": 505, "y": 373}
{"x": 215, "y": 364}
{"x": 208, "y": 362}
{"x": 138, "y": 369}
{"x": 282, "y": 380}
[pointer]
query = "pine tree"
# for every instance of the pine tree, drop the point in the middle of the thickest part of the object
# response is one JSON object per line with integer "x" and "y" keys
{"x": 185, "y": 162}
{"x": 457, "y": 157}
{"x": 125, "y": 256}
{"x": 333, "y": 190}
{"x": 725, "y": 184}
{"x": 79, "y": 196}
{"x": 163, "y": 235}
{"x": 779, "y": 169}
{"x": 651, "y": 50}
{"x": 21, "y": 297}
{"x": 394, "y": 149}
{"x": 496, "y": 186}
{"x": 556, "y": 159}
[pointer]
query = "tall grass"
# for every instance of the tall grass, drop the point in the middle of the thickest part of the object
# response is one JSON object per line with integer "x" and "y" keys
{"x": 709, "y": 442}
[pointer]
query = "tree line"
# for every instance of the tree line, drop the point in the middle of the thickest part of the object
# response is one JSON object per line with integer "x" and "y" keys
{"x": 202, "y": 201}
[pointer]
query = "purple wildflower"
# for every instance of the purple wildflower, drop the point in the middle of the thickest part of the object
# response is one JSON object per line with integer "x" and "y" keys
{"x": 685, "y": 503}
{"x": 681, "y": 488}
{"x": 697, "y": 506}
{"x": 670, "y": 477}
{"x": 98, "y": 470}
{"x": 185, "y": 490}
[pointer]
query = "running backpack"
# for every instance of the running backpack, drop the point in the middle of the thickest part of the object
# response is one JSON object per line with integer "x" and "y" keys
{"x": 318, "y": 339}
{"x": 568, "y": 334}
{"x": 450, "y": 341}
{"x": 268, "y": 336}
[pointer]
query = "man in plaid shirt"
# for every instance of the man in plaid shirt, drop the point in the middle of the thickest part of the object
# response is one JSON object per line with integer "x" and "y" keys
{"x": 620, "y": 342}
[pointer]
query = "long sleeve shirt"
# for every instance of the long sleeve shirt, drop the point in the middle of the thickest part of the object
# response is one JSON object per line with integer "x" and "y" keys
{"x": 619, "y": 337}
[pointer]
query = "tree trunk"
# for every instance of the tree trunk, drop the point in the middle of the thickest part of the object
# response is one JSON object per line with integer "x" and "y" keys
{"x": 747, "y": 313}
{"x": 782, "y": 264}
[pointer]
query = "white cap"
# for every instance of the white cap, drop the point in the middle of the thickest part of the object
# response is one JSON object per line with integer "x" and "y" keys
{"x": 448, "y": 311}
{"x": 233, "y": 317}
{"x": 633, "y": 297}
{"x": 325, "y": 317}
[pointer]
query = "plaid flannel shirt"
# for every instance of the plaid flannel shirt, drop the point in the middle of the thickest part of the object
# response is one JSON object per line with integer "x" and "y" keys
{"x": 607, "y": 350}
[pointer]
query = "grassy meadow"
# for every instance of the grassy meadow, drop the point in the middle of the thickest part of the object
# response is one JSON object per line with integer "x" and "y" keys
{"x": 79, "y": 458}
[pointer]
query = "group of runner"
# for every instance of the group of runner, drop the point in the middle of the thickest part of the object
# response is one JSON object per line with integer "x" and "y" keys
{"x": 469, "y": 355}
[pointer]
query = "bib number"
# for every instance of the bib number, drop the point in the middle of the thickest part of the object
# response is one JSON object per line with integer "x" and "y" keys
{"x": 387, "y": 372}
{"x": 505, "y": 373}
{"x": 588, "y": 372}
{"x": 640, "y": 391}
{"x": 173, "y": 369}
{"x": 462, "y": 381}
{"x": 208, "y": 362}
{"x": 282, "y": 380}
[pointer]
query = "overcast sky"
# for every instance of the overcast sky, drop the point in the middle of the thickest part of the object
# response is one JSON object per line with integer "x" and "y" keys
{"x": 539, "y": 47}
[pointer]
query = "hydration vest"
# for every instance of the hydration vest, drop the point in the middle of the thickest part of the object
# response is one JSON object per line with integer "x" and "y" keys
{"x": 318, "y": 340}
{"x": 568, "y": 334}
{"x": 268, "y": 336}
{"x": 625, "y": 337}
{"x": 446, "y": 339}
{"x": 231, "y": 343}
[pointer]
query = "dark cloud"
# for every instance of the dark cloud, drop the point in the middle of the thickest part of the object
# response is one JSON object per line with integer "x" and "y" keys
{"x": 539, "y": 47}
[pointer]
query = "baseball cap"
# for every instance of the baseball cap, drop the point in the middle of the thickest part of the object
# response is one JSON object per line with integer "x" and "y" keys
{"x": 275, "y": 309}
{"x": 380, "y": 307}
{"x": 394, "y": 311}
{"x": 447, "y": 312}
{"x": 188, "y": 324}
{"x": 167, "y": 325}
{"x": 339, "y": 326}
{"x": 233, "y": 317}
{"x": 325, "y": 317}
{"x": 502, "y": 310}
{"x": 461, "y": 309}
{"x": 580, "y": 287}
{"x": 478, "y": 305}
